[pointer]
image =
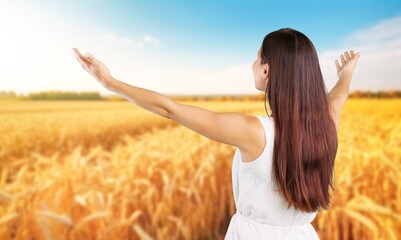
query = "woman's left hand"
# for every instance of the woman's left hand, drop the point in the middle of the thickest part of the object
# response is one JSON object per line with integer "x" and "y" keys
{"x": 95, "y": 68}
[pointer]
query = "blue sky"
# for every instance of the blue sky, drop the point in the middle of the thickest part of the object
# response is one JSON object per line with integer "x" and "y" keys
{"x": 228, "y": 27}
{"x": 161, "y": 44}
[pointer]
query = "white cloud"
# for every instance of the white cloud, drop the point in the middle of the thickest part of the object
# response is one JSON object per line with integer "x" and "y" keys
{"x": 386, "y": 30}
{"x": 129, "y": 42}
{"x": 237, "y": 79}
{"x": 379, "y": 67}
{"x": 151, "y": 40}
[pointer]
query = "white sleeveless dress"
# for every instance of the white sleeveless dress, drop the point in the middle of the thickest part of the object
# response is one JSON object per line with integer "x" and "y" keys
{"x": 261, "y": 213}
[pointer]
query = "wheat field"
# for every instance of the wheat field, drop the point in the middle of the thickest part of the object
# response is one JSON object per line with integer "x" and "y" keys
{"x": 110, "y": 170}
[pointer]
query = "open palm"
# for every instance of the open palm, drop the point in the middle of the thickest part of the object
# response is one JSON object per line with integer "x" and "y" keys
{"x": 95, "y": 68}
{"x": 348, "y": 63}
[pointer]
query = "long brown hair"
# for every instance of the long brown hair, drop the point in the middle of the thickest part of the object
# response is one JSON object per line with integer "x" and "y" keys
{"x": 305, "y": 143}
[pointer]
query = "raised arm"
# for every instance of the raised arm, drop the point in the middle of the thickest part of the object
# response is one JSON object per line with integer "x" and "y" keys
{"x": 340, "y": 92}
{"x": 227, "y": 128}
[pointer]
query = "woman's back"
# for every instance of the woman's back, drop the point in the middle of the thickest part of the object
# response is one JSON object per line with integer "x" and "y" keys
{"x": 262, "y": 212}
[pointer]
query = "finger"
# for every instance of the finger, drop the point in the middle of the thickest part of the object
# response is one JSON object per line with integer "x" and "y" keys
{"x": 352, "y": 53}
{"x": 78, "y": 53}
{"x": 337, "y": 65}
{"x": 84, "y": 64}
{"x": 82, "y": 57}
{"x": 347, "y": 57}
{"x": 91, "y": 58}
{"x": 342, "y": 60}
{"x": 80, "y": 60}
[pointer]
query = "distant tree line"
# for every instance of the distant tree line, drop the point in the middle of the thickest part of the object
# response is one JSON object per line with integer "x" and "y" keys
{"x": 52, "y": 95}
{"x": 379, "y": 94}
{"x": 62, "y": 95}
{"x": 7, "y": 94}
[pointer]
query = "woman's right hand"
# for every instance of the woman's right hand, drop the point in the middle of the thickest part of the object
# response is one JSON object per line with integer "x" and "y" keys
{"x": 348, "y": 64}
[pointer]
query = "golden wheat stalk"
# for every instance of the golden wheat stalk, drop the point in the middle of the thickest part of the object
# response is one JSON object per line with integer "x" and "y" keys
{"x": 57, "y": 217}
{"x": 141, "y": 233}
{"x": 362, "y": 219}
{"x": 8, "y": 218}
{"x": 5, "y": 197}
{"x": 92, "y": 217}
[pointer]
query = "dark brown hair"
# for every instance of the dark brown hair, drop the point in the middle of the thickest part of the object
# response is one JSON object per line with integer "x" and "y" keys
{"x": 305, "y": 143}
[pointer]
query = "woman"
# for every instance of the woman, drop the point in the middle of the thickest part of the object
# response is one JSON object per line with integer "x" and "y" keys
{"x": 282, "y": 169}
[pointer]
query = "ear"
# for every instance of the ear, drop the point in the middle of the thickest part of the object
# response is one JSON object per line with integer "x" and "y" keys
{"x": 266, "y": 72}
